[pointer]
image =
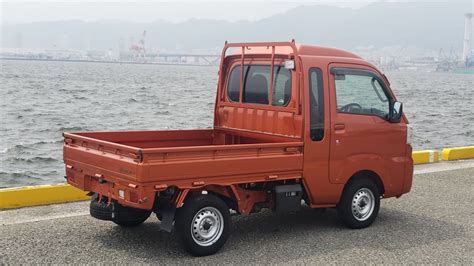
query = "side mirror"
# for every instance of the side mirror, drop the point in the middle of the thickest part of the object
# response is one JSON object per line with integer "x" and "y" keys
{"x": 396, "y": 109}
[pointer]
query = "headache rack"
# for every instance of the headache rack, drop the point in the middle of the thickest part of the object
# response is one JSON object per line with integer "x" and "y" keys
{"x": 248, "y": 46}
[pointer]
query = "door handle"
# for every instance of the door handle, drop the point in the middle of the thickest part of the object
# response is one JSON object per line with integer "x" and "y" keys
{"x": 339, "y": 127}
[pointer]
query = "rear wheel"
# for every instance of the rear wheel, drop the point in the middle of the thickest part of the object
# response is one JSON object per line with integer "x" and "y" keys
{"x": 132, "y": 221}
{"x": 129, "y": 217}
{"x": 203, "y": 225}
{"x": 119, "y": 214}
{"x": 360, "y": 203}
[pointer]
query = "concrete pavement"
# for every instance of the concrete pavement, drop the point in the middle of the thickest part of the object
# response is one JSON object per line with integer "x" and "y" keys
{"x": 431, "y": 224}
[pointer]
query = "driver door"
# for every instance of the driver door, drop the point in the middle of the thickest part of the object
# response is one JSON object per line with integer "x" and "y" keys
{"x": 361, "y": 136}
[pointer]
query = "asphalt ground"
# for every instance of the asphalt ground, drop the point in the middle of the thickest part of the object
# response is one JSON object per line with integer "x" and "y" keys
{"x": 433, "y": 224}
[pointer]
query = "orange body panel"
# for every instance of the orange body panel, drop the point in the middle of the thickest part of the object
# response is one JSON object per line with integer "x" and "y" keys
{"x": 250, "y": 143}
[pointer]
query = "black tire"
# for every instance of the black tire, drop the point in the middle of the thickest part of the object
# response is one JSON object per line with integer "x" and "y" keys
{"x": 203, "y": 211}
{"x": 121, "y": 215}
{"x": 130, "y": 223}
{"x": 355, "y": 207}
{"x": 129, "y": 217}
{"x": 100, "y": 210}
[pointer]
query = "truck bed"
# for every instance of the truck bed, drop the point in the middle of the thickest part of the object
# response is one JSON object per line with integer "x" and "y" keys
{"x": 182, "y": 158}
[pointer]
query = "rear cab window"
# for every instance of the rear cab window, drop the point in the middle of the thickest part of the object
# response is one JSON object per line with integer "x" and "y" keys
{"x": 256, "y": 87}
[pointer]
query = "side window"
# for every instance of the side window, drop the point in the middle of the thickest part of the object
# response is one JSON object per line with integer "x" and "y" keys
{"x": 316, "y": 119}
{"x": 360, "y": 93}
{"x": 257, "y": 85}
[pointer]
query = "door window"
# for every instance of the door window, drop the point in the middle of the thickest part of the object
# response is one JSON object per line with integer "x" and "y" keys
{"x": 360, "y": 92}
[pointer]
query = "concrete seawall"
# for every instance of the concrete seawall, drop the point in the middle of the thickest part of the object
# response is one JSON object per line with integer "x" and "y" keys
{"x": 61, "y": 193}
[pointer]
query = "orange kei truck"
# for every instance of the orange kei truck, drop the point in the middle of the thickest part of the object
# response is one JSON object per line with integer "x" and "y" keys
{"x": 293, "y": 125}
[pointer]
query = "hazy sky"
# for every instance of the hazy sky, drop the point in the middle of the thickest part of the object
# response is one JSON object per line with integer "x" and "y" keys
{"x": 13, "y": 12}
{"x": 19, "y": 11}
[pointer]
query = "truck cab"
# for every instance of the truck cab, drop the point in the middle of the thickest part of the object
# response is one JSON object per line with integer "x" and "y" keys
{"x": 293, "y": 124}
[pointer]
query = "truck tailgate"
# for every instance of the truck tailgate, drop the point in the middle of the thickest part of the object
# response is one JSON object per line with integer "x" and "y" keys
{"x": 100, "y": 158}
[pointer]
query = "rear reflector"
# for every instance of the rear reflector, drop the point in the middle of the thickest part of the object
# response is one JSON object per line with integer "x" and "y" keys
{"x": 134, "y": 196}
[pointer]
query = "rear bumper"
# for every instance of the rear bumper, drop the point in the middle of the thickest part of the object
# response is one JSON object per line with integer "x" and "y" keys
{"x": 126, "y": 193}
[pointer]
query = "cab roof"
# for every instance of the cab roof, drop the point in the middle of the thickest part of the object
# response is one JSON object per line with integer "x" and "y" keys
{"x": 312, "y": 50}
{"x": 302, "y": 49}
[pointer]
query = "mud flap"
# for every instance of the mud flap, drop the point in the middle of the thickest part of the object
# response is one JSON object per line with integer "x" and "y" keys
{"x": 167, "y": 213}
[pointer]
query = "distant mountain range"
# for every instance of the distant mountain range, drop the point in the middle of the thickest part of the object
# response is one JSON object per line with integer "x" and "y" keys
{"x": 425, "y": 25}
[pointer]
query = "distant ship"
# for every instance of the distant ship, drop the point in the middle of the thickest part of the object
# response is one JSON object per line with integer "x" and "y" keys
{"x": 468, "y": 68}
{"x": 466, "y": 65}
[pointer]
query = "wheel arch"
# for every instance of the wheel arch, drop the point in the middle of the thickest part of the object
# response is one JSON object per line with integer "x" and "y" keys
{"x": 368, "y": 174}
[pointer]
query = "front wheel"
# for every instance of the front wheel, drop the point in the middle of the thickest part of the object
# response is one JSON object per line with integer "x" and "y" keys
{"x": 203, "y": 225}
{"x": 359, "y": 204}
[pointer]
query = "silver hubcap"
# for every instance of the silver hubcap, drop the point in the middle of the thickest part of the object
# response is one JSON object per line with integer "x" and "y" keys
{"x": 363, "y": 204}
{"x": 207, "y": 226}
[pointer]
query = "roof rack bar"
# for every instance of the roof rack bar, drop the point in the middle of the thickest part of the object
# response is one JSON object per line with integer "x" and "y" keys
{"x": 272, "y": 67}
{"x": 241, "y": 89}
{"x": 291, "y": 44}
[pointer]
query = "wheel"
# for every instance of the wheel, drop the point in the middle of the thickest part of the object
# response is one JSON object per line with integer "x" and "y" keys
{"x": 100, "y": 209}
{"x": 129, "y": 217}
{"x": 119, "y": 214}
{"x": 130, "y": 223}
{"x": 359, "y": 204}
{"x": 203, "y": 224}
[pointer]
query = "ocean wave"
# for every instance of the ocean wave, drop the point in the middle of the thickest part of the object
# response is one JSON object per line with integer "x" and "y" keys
{"x": 15, "y": 179}
{"x": 76, "y": 128}
{"x": 17, "y": 175}
{"x": 36, "y": 159}
{"x": 20, "y": 149}
{"x": 48, "y": 142}
{"x": 164, "y": 112}
{"x": 79, "y": 97}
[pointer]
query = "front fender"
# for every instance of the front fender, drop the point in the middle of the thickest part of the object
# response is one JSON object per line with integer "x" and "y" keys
{"x": 371, "y": 162}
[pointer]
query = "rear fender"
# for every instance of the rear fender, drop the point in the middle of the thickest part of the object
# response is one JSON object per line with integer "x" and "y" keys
{"x": 234, "y": 196}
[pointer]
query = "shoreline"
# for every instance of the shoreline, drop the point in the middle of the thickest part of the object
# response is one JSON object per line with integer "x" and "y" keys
{"x": 103, "y": 62}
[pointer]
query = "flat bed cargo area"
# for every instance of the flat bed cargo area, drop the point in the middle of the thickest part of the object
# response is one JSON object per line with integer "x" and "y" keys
{"x": 184, "y": 158}
{"x": 150, "y": 139}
